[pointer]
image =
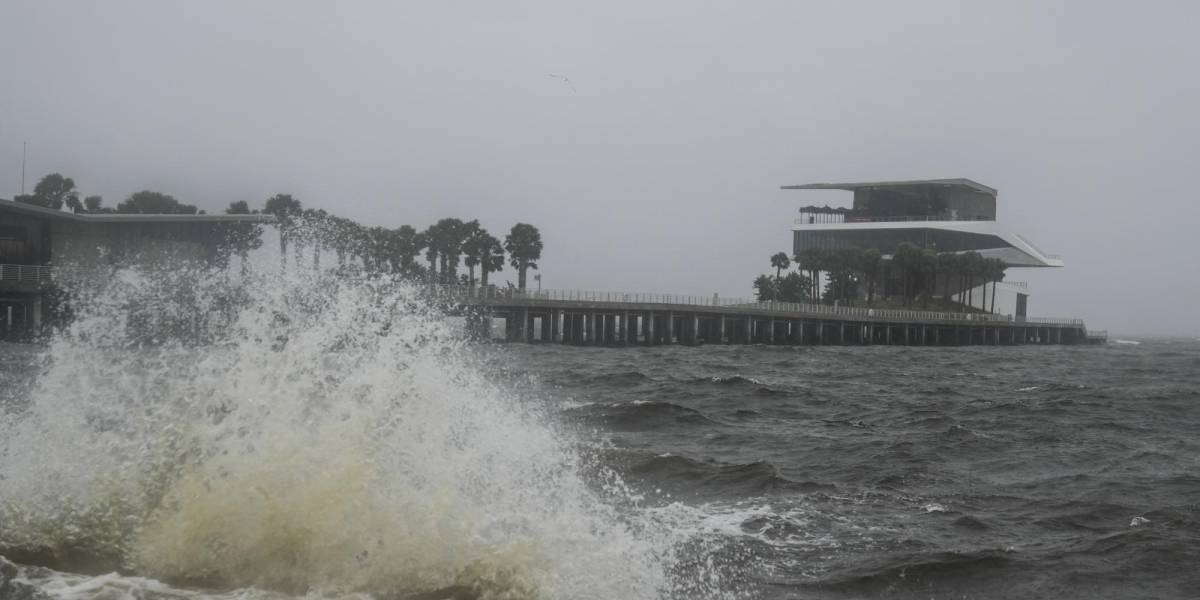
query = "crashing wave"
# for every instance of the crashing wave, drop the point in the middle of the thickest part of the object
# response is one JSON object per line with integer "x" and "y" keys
{"x": 307, "y": 434}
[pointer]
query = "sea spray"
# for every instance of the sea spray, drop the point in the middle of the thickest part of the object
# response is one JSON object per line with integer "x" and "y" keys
{"x": 307, "y": 433}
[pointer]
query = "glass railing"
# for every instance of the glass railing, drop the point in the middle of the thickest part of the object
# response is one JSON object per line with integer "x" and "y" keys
{"x": 837, "y": 219}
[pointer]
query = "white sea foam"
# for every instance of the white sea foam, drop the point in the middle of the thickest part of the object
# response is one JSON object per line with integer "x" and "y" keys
{"x": 309, "y": 435}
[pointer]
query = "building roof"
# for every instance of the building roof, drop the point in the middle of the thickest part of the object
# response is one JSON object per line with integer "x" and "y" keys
{"x": 958, "y": 182}
{"x": 49, "y": 213}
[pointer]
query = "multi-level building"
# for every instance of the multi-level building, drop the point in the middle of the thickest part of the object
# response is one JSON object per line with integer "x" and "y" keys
{"x": 946, "y": 215}
{"x": 39, "y": 246}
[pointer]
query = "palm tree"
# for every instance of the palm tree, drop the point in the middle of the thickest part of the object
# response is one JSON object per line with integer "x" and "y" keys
{"x": 403, "y": 248}
{"x": 869, "y": 264}
{"x": 780, "y": 261}
{"x": 970, "y": 266}
{"x": 285, "y": 208}
{"x": 812, "y": 259}
{"x": 929, "y": 263}
{"x": 837, "y": 263}
{"x": 524, "y": 246}
{"x": 432, "y": 239}
{"x": 473, "y": 249}
{"x": 980, "y": 270}
{"x": 995, "y": 274}
{"x": 907, "y": 260}
{"x": 241, "y": 237}
{"x": 341, "y": 232}
{"x": 316, "y": 224}
{"x": 491, "y": 258}
{"x": 947, "y": 264}
{"x": 378, "y": 249}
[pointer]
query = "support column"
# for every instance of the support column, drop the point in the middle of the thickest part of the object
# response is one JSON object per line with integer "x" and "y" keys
{"x": 556, "y": 325}
{"x": 696, "y": 328}
{"x": 887, "y": 334}
{"x": 670, "y": 327}
{"x": 720, "y": 329}
{"x": 650, "y": 339}
{"x": 590, "y": 327}
{"x": 800, "y": 338}
{"x": 37, "y": 315}
{"x": 749, "y": 337}
{"x": 771, "y": 330}
{"x": 820, "y": 332}
{"x": 842, "y": 333}
{"x": 624, "y": 329}
{"x": 523, "y": 325}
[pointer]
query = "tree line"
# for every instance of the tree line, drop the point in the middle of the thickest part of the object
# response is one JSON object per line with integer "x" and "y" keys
{"x": 912, "y": 275}
{"x": 308, "y": 232}
{"x": 55, "y": 191}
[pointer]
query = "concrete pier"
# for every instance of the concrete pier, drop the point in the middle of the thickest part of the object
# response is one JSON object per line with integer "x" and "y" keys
{"x": 616, "y": 319}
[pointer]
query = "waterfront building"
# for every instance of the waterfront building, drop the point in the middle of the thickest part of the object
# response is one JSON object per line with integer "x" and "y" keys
{"x": 41, "y": 246}
{"x": 945, "y": 215}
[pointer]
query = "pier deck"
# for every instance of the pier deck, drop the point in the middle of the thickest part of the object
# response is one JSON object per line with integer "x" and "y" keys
{"x": 617, "y": 318}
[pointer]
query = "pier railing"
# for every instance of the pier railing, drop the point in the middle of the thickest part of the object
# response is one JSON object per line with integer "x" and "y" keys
{"x": 25, "y": 273}
{"x": 496, "y": 294}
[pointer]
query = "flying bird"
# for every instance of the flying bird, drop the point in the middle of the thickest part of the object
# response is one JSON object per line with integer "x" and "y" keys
{"x": 563, "y": 79}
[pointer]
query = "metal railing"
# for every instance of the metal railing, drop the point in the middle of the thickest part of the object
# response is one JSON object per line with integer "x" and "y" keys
{"x": 835, "y": 218}
{"x": 496, "y": 294}
{"x": 25, "y": 273}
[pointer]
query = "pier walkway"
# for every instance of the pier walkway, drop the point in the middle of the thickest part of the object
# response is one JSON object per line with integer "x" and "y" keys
{"x": 618, "y": 318}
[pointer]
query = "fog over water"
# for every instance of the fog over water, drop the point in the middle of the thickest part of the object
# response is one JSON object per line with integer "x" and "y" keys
{"x": 656, "y": 167}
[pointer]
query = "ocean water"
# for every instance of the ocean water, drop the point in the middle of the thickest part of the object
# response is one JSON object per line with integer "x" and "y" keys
{"x": 309, "y": 437}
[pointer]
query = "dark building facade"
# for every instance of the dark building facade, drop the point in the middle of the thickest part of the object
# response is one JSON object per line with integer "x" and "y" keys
{"x": 39, "y": 246}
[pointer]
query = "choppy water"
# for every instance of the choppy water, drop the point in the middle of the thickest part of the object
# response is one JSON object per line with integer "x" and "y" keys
{"x": 346, "y": 442}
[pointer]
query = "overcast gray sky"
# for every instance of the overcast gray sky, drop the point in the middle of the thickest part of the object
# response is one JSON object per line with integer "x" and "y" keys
{"x": 657, "y": 168}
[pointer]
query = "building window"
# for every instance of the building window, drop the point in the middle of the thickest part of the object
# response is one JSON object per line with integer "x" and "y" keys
{"x": 12, "y": 233}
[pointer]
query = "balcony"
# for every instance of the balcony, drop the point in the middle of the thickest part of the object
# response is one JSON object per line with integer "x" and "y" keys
{"x": 24, "y": 273}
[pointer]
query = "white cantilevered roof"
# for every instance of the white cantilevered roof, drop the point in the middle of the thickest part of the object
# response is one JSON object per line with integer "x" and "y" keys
{"x": 1016, "y": 250}
{"x": 851, "y": 186}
